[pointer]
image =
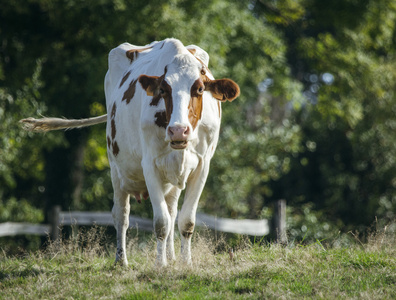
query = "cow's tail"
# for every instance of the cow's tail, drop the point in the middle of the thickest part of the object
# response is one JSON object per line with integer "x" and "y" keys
{"x": 48, "y": 124}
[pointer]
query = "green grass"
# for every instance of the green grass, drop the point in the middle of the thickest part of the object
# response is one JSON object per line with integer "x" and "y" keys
{"x": 68, "y": 270}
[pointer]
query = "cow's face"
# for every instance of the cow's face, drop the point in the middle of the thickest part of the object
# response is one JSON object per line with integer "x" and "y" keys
{"x": 182, "y": 87}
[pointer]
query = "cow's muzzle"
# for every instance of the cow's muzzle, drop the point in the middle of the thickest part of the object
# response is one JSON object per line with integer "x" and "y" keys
{"x": 178, "y": 136}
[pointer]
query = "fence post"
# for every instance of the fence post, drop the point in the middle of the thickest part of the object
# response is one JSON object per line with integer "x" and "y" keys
{"x": 280, "y": 221}
{"x": 54, "y": 218}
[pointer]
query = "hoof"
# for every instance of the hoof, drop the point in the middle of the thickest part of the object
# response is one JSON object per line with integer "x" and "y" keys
{"x": 121, "y": 262}
{"x": 161, "y": 264}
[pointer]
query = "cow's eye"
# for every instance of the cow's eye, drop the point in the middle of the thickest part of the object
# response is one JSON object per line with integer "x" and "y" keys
{"x": 162, "y": 91}
{"x": 201, "y": 90}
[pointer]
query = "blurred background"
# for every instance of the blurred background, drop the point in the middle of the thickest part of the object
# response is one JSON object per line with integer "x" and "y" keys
{"x": 314, "y": 125}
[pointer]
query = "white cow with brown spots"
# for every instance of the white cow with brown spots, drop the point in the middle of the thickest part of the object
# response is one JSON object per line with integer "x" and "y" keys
{"x": 163, "y": 126}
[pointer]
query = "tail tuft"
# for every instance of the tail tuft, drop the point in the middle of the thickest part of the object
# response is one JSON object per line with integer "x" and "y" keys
{"x": 47, "y": 124}
{"x": 42, "y": 125}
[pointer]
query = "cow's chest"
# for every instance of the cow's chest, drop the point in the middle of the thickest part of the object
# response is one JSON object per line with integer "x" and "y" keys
{"x": 176, "y": 166}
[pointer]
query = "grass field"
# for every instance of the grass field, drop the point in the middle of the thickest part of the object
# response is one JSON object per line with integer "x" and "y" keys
{"x": 82, "y": 268}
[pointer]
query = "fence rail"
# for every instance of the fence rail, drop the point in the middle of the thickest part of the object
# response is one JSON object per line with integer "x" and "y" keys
{"x": 12, "y": 228}
{"x": 60, "y": 218}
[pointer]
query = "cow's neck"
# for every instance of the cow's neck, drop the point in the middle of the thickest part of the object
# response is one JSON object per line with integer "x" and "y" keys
{"x": 176, "y": 166}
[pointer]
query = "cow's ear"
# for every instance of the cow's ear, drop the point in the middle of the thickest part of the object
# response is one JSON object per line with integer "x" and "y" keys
{"x": 223, "y": 89}
{"x": 149, "y": 83}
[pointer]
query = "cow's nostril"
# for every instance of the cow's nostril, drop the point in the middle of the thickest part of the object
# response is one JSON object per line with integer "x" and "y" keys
{"x": 178, "y": 132}
{"x": 170, "y": 132}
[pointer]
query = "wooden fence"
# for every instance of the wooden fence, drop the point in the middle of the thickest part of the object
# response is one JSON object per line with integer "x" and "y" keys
{"x": 59, "y": 218}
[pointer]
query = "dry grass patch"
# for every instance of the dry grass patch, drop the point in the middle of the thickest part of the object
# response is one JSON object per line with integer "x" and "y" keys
{"x": 83, "y": 267}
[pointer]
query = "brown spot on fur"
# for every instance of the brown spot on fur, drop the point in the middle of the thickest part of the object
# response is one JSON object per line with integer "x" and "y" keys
{"x": 113, "y": 111}
{"x": 195, "y": 105}
{"x": 192, "y": 51}
{"x": 113, "y": 129}
{"x": 159, "y": 228}
{"x": 108, "y": 142}
{"x": 188, "y": 230}
{"x": 204, "y": 67}
{"x": 124, "y": 78}
{"x": 116, "y": 149}
{"x": 160, "y": 119}
{"x": 130, "y": 92}
{"x": 203, "y": 70}
{"x": 111, "y": 143}
{"x": 168, "y": 100}
{"x": 150, "y": 83}
{"x": 158, "y": 88}
{"x": 156, "y": 99}
{"x": 134, "y": 53}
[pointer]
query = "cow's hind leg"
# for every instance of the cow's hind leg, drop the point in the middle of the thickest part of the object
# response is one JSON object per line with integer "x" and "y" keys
{"x": 121, "y": 209}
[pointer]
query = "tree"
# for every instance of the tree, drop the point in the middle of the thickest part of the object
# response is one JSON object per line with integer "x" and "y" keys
{"x": 314, "y": 123}
{"x": 343, "y": 53}
{"x": 71, "y": 39}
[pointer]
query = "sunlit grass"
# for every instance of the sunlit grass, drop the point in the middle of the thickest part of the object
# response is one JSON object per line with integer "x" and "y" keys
{"x": 83, "y": 267}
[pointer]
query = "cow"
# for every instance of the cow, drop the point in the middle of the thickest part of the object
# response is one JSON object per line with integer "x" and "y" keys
{"x": 163, "y": 121}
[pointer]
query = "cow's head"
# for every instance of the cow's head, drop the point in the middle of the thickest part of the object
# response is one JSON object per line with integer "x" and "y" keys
{"x": 182, "y": 86}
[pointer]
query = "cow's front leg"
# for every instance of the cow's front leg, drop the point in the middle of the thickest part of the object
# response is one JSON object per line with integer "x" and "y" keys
{"x": 171, "y": 200}
{"x": 121, "y": 209}
{"x": 187, "y": 215}
{"x": 162, "y": 224}
{"x": 162, "y": 220}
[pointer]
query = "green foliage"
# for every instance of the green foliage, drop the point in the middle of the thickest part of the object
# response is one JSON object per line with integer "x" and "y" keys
{"x": 314, "y": 124}
{"x": 307, "y": 225}
{"x": 347, "y": 168}
{"x": 19, "y": 211}
{"x": 21, "y": 161}
{"x": 72, "y": 85}
{"x": 247, "y": 159}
